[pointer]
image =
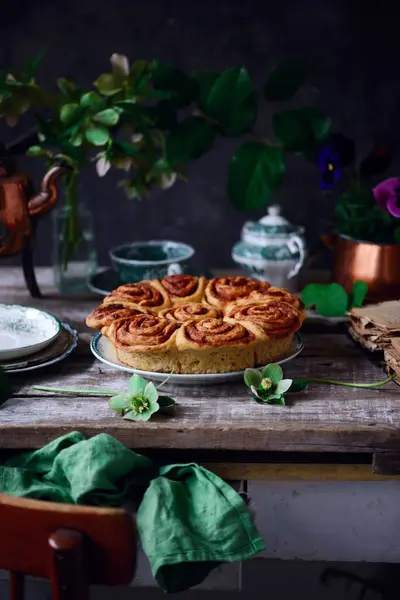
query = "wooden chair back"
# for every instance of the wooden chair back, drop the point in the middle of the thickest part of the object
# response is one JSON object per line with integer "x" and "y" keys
{"x": 73, "y": 546}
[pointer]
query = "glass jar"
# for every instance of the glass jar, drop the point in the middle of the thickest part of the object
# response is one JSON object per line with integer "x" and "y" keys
{"x": 74, "y": 253}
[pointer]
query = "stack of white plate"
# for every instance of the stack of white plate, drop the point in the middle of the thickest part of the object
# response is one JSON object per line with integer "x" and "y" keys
{"x": 31, "y": 338}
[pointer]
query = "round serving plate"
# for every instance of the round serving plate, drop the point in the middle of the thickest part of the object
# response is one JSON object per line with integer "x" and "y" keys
{"x": 25, "y": 330}
{"x": 103, "y": 349}
{"x": 55, "y": 352}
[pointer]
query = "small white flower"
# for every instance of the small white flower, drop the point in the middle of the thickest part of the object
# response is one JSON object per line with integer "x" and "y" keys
{"x": 41, "y": 137}
{"x": 102, "y": 166}
{"x": 10, "y": 77}
{"x": 120, "y": 64}
{"x": 137, "y": 137}
{"x": 167, "y": 182}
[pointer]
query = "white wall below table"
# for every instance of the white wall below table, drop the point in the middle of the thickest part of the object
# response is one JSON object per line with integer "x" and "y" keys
{"x": 352, "y": 521}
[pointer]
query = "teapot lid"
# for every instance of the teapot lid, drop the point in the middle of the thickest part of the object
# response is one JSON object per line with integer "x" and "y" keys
{"x": 273, "y": 223}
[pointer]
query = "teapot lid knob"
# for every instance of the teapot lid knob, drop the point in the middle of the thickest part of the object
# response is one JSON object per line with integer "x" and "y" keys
{"x": 274, "y": 210}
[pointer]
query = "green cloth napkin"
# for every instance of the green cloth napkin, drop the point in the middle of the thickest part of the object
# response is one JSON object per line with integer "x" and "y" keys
{"x": 189, "y": 520}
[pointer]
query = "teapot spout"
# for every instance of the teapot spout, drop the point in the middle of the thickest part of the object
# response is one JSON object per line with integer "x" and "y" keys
{"x": 42, "y": 202}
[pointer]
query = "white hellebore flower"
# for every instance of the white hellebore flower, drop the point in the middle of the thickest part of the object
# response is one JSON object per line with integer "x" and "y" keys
{"x": 102, "y": 166}
{"x": 120, "y": 64}
{"x": 167, "y": 182}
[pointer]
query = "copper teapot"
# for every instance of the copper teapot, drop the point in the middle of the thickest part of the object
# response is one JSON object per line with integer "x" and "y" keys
{"x": 20, "y": 208}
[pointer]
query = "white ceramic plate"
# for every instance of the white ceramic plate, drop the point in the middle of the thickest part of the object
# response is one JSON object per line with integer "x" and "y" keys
{"x": 25, "y": 330}
{"x": 51, "y": 360}
{"x": 103, "y": 349}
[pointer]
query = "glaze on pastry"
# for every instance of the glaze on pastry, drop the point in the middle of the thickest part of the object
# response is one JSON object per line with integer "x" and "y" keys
{"x": 194, "y": 311}
{"x": 184, "y": 288}
{"x": 214, "y": 346}
{"x": 145, "y": 294}
{"x": 105, "y": 314}
{"x": 221, "y": 291}
{"x": 276, "y": 322}
{"x": 235, "y": 323}
{"x": 146, "y": 342}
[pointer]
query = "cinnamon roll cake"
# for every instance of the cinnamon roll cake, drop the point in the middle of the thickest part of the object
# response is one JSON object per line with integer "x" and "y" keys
{"x": 186, "y": 324}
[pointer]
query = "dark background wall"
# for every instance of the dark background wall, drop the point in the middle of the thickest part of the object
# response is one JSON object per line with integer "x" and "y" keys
{"x": 351, "y": 45}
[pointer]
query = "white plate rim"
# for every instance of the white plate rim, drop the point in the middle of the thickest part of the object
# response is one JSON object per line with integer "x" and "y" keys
{"x": 186, "y": 378}
{"x": 56, "y": 359}
{"x": 43, "y": 343}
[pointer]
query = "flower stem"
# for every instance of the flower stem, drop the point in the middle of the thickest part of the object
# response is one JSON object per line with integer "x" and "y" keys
{"x": 348, "y": 384}
{"x": 44, "y": 388}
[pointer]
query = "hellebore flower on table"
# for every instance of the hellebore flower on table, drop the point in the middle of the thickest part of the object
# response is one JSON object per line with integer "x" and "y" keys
{"x": 268, "y": 385}
{"x": 139, "y": 403}
{"x": 387, "y": 196}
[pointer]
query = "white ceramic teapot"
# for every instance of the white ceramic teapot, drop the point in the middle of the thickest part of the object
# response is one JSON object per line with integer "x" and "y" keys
{"x": 271, "y": 249}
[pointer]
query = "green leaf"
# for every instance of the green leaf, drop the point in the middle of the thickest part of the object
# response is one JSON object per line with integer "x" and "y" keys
{"x": 292, "y": 130}
{"x": 320, "y": 123}
{"x": 397, "y": 234}
{"x": 92, "y": 100}
{"x": 119, "y": 403}
{"x": 255, "y": 173}
{"x": 330, "y": 300}
{"x": 167, "y": 405}
{"x": 284, "y": 81}
{"x": 252, "y": 377}
{"x": 97, "y": 135}
{"x": 273, "y": 372}
{"x": 36, "y": 151}
{"x": 137, "y": 383}
{"x": 231, "y": 102}
{"x": 166, "y": 401}
{"x": 283, "y": 386}
{"x": 299, "y": 385}
{"x": 69, "y": 88}
{"x": 5, "y": 387}
{"x": 150, "y": 392}
{"x": 192, "y": 137}
{"x": 134, "y": 416}
{"x": 168, "y": 78}
{"x": 206, "y": 80}
{"x": 109, "y": 84}
{"x": 125, "y": 148}
{"x": 109, "y": 116}
{"x": 70, "y": 113}
{"x": 77, "y": 139}
{"x": 357, "y": 294}
{"x": 302, "y": 129}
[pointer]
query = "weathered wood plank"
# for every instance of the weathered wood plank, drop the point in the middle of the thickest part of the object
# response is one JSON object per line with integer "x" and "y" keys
{"x": 223, "y": 417}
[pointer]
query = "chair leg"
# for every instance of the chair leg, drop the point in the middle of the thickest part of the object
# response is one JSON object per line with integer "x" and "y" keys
{"x": 67, "y": 575}
{"x": 17, "y": 586}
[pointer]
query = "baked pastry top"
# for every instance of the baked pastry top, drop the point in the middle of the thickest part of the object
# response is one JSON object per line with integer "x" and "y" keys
{"x": 187, "y": 324}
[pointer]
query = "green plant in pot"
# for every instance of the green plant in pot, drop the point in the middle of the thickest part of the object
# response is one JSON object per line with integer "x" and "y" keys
{"x": 366, "y": 242}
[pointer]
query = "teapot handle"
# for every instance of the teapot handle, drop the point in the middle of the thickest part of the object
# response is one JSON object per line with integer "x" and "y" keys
{"x": 296, "y": 244}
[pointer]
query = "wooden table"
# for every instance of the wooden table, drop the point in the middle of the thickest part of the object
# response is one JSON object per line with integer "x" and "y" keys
{"x": 218, "y": 423}
{"x": 319, "y": 471}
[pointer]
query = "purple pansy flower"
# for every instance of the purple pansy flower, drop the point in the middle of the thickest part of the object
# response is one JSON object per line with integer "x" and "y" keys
{"x": 330, "y": 158}
{"x": 387, "y": 196}
{"x": 328, "y": 163}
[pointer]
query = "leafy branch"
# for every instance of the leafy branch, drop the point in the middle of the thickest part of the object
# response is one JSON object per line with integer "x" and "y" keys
{"x": 268, "y": 386}
{"x": 139, "y": 403}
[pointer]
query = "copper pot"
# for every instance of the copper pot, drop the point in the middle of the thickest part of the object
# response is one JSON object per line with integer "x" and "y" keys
{"x": 376, "y": 264}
